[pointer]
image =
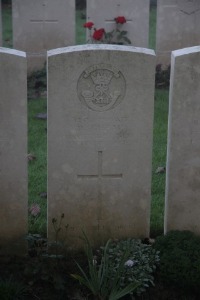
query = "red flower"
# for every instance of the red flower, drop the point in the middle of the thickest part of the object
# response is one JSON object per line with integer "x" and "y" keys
{"x": 98, "y": 34}
{"x": 88, "y": 25}
{"x": 120, "y": 20}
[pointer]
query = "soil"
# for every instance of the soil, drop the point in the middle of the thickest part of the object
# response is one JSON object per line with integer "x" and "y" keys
{"x": 49, "y": 278}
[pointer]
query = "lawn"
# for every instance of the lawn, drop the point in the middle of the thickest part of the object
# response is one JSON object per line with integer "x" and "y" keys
{"x": 37, "y": 137}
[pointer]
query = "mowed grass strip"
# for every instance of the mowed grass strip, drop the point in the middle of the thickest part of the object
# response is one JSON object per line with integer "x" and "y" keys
{"x": 37, "y": 168}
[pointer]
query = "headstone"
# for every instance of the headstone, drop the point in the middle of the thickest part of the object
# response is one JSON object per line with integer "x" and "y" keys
{"x": 183, "y": 159}
{"x": 41, "y": 25}
{"x": 1, "y": 29}
{"x": 100, "y": 118}
{"x": 136, "y": 12}
{"x": 178, "y": 26}
{"x": 13, "y": 151}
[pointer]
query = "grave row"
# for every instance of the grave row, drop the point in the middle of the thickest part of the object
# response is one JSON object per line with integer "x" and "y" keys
{"x": 42, "y": 25}
{"x": 100, "y": 128}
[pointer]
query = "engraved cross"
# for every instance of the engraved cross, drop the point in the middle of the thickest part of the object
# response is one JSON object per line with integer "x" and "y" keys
{"x": 100, "y": 170}
{"x": 113, "y": 21}
{"x": 43, "y": 20}
{"x": 118, "y": 13}
{"x": 100, "y": 175}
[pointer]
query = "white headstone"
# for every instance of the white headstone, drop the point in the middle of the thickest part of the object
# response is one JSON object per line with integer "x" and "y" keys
{"x": 183, "y": 159}
{"x": 13, "y": 151}
{"x": 41, "y": 25}
{"x": 100, "y": 118}
{"x": 178, "y": 26}
{"x": 136, "y": 12}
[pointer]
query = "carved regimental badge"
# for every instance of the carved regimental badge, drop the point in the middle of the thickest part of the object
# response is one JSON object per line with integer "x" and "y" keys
{"x": 101, "y": 87}
{"x": 189, "y": 7}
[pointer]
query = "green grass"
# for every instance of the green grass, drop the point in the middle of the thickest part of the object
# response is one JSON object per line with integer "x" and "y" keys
{"x": 152, "y": 28}
{"x": 159, "y": 160}
{"x": 37, "y": 170}
{"x": 80, "y": 30}
{"x": 37, "y": 139}
{"x": 7, "y": 26}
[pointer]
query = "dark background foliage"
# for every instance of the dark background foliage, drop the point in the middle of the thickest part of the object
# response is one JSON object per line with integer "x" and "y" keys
{"x": 179, "y": 260}
{"x": 80, "y": 4}
{"x": 153, "y": 2}
{"x": 6, "y": 1}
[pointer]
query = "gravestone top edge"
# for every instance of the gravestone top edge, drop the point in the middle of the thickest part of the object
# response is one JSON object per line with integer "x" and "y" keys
{"x": 185, "y": 51}
{"x": 90, "y": 47}
{"x": 12, "y": 51}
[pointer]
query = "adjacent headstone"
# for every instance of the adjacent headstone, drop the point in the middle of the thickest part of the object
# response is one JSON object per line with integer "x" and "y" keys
{"x": 41, "y": 25}
{"x": 100, "y": 123}
{"x": 13, "y": 151}
{"x": 136, "y": 12}
{"x": 183, "y": 159}
{"x": 178, "y": 26}
{"x": 1, "y": 29}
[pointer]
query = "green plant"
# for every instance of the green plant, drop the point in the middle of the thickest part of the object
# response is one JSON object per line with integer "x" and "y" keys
{"x": 7, "y": 24}
{"x": 99, "y": 282}
{"x": 46, "y": 269}
{"x": 180, "y": 259}
{"x": 162, "y": 77}
{"x": 37, "y": 82}
{"x": 141, "y": 262}
{"x": 37, "y": 245}
{"x": 57, "y": 226}
{"x": 116, "y": 36}
{"x": 47, "y": 266}
{"x": 12, "y": 290}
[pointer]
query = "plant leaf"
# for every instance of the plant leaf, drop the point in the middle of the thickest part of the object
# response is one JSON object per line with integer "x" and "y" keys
{"x": 126, "y": 40}
{"x": 117, "y": 294}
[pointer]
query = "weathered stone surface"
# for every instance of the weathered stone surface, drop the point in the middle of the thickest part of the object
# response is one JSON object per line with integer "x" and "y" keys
{"x": 100, "y": 117}
{"x": 13, "y": 151}
{"x": 178, "y": 26}
{"x": 103, "y": 12}
{"x": 183, "y": 159}
{"x": 41, "y": 25}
